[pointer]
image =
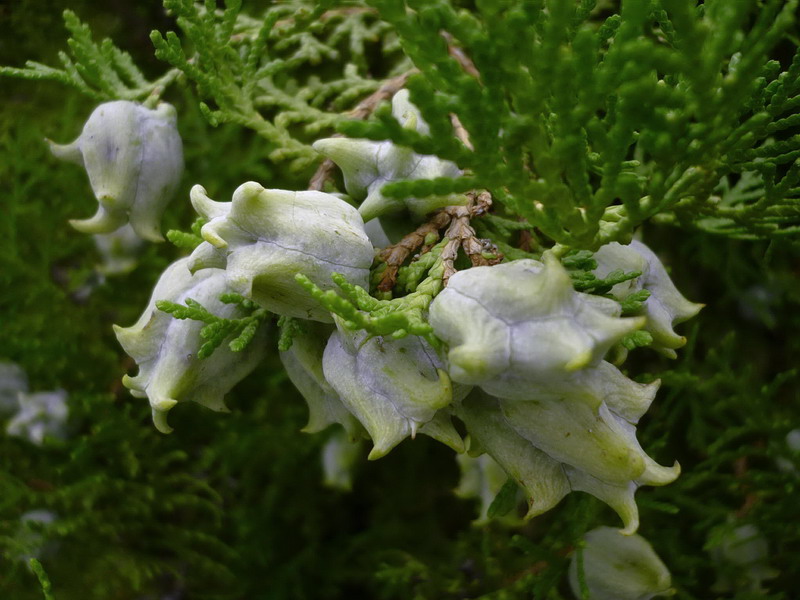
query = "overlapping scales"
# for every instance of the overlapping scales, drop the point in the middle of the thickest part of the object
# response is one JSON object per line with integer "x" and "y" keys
{"x": 551, "y": 411}
{"x": 133, "y": 156}
{"x": 394, "y": 387}
{"x": 263, "y": 238}
{"x": 165, "y": 348}
{"x": 303, "y": 364}
{"x": 564, "y": 452}
{"x": 666, "y": 306}
{"x": 521, "y": 323}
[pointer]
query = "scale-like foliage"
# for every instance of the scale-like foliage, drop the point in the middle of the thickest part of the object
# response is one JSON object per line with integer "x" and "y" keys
{"x": 561, "y": 127}
{"x": 587, "y": 131}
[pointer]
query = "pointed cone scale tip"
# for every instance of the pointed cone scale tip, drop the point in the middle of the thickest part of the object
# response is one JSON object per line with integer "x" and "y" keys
{"x": 160, "y": 421}
{"x": 211, "y": 235}
{"x": 378, "y": 452}
{"x": 376, "y": 205}
{"x": 554, "y": 281}
{"x": 69, "y": 152}
{"x": 247, "y": 191}
{"x": 205, "y": 206}
{"x": 631, "y": 525}
{"x": 579, "y": 361}
{"x": 102, "y": 222}
{"x": 160, "y": 410}
{"x": 147, "y": 231}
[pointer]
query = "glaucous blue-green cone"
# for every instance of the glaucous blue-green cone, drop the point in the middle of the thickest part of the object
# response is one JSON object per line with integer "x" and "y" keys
{"x": 134, "y": 158}
{"x": 665, "y": 307}
{"x": 367, "y": 166}
{"x": 393, "y": 387}
{"x": 545, "y": 478}
{"x": 165, "y": 348}
{"x": 520, "y": 323}
{"x": 618, "y": 567}
{"x": 40, "y": 415}
{"x": 594, "y": 441}
{"x": 303, "y": 364}
{"x": 263, "y": 238}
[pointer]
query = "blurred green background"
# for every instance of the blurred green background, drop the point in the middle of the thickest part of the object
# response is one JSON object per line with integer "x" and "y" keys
{"x": 233, "y": 506}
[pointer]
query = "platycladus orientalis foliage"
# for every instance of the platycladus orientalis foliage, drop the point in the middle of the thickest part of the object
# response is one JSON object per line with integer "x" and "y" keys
{"x": 479, "y": 277}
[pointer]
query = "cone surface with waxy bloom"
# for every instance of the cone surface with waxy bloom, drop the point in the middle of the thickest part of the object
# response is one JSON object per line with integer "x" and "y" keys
{"x": 165, "y": 348}
{"x": 263, "y": 238}
{"x": 551, "y": 411}
{"x": 134, "y": 158}
{"x": 303, "y": 364}
{"x": 520, "y": 323}
{"x": 393, "y": 387}
{"x": 619, "y": 567}
{"x": 666, "y": 306}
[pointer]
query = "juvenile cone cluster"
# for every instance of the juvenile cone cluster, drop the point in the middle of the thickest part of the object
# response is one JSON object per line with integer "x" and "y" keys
{"x": 550, "y": 411}
{"x": 165, "y": 348}
{"x": 134, "y": 158}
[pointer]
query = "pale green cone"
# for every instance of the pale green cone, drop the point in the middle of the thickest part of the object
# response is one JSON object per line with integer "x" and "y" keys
{"x": 619, "y": 567}
{"x": 665, "y": 307}
{"x": 266, "y": 237}
{"x": 165, "y": 348}
{"x": 367, "y": 166}
{"x": 134, "y": 158}
{"x": 536, "y": 462}
{"x": 393, "y": 387}
{"x": 573, "y": 433}
{"x": 521, "y": 322}
{"x": 542, "y": 478}
{"x": 303, "y": 364}
{"x": 407, "y": 114}
{"x": 119, "y": 250}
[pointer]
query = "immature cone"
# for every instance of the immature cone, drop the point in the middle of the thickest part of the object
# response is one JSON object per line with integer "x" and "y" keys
{"x": 393, "y": 387}
{"x": 340, "y": 455}
{"x": 367, "y": 166}
{"x": 521, "y": 323}
{"x": 619, "y": 567}
{"x": 134, "y": 158}
{"x": 553, "y": 413}
{"x": 741, "y": 558}
{"x": 165, "y": 348}
{"x": 554, "y": 447}
{"x": 263, "y": 238}
{"x": 665, "y": 307}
